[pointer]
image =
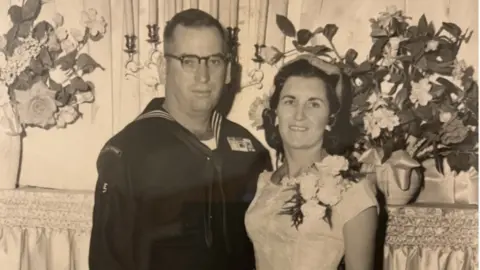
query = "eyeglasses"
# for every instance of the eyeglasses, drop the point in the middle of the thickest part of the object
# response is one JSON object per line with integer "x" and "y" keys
{"x": 191, "y": 62}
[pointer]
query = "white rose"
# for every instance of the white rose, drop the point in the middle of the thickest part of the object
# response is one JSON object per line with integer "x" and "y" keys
{"x": 308, "y": 186}
{"x": 84, "y": 97}
{"x": 311, "y": 209}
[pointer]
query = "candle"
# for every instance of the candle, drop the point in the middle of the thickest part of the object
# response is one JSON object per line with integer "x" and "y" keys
{"x": 234, "y": 13}
{"x": 178, "y": 6}
{"x": 262, "y": 23}
{"x": 214, "y": 8}
{"x": 169, "y": 9}
{"x": 128, "y": 8}
{"x": 153, "y": 12}
{"x": 194, "y": 4}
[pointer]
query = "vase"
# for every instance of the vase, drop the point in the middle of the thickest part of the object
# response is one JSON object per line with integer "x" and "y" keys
{"x": 398, "y": 178}
{"x": 10, "y": 146}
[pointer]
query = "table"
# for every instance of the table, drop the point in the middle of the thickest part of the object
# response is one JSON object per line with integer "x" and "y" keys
{"x": 42, "y": 229}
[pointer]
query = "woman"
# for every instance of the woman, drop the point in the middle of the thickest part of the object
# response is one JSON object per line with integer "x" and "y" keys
{"x": 307, "y": 123}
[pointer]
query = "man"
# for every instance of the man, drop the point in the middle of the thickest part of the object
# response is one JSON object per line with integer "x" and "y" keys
{"x": 174, "y": 184}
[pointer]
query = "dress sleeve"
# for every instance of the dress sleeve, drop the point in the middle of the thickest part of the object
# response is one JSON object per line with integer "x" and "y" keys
{"x": 356, "y": 199}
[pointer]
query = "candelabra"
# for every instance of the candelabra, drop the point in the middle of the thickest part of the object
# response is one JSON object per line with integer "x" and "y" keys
{"x": 233, "y": 43}
{"x": 256, "y": 74}
{"x": 131, "y": 50}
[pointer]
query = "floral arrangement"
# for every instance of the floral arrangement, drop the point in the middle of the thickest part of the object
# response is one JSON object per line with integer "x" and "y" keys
{"x": 42, "y": 67}
{"x": 411, "y": 93}
{"x": 318, "y": 189}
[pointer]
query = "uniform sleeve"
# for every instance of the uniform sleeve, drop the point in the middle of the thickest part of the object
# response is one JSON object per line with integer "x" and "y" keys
{"x": 360, "y": 196}
{"x": 111, "y": 243}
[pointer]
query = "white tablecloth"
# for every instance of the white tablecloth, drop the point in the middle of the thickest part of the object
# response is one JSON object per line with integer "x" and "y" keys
{"x": 43, "y": 229}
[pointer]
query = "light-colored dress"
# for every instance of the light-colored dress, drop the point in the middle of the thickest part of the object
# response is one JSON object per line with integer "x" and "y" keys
{"x": 314, "y": 246}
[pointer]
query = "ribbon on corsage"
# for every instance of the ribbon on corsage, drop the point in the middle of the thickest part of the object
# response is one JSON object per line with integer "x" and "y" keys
{"x": 9, "y": 120}
{"x": 397, "y": 169}
{"x": 450, "y": 187}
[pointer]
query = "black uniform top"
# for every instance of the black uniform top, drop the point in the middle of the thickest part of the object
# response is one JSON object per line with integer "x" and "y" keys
{"x": 164, "y": 200}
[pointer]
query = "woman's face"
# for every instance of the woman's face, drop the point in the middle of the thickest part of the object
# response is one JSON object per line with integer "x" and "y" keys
{"x": 303, "y": 112}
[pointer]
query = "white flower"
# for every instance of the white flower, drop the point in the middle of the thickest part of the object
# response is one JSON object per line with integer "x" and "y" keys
{"x": 66, "y": 115}
{"x": 3, "y": 42}
{"x": 312, "y": 209}
{"x": 459, "y": 68}
{"x": 330, "y": 193}
{"x": 308, "y": 186}
{"x": 69, "y": 45}
{"x": 386, "y": 118}
{"x": 432, "y": 45}
{"x": 4, "y": 96}
{"x": 445, "y": 117}
{"x": 3, "y": 61}
{"x": 255, "y": 112}
{"x": 96, "y": 25}
{"x": 271, "y": 55}
{"x": 332, "y": 164}
{"x": 61, "y": 33}
{"x": 358, "y": 82}
{"x": 421, "y": 92}
{"x": 371, "y": 125}
{"x": 57, "y": 20}
{"x": 60, "y": 76}
{"x": 76, "y": 34}
{"x": 84, "y": 97}
{"x": 376, "y": 101}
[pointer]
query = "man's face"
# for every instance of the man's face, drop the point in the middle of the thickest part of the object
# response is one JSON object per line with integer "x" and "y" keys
{"x": 195, "y": 87}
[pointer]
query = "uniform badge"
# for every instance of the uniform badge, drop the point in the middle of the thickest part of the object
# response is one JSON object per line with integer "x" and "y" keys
{"x": 240, "y": 144}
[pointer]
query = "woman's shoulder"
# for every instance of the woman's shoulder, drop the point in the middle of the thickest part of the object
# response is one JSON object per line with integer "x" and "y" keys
{"x": 357, "y": 196}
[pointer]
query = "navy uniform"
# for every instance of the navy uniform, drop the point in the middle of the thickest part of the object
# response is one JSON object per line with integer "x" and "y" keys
{"x": 164, "y": 200}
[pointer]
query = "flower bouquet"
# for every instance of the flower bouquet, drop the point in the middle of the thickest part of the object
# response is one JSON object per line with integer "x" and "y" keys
{"x": 413, "y": 100}
{"x": 410, "y": 94}
{"x": 42, "y": 68}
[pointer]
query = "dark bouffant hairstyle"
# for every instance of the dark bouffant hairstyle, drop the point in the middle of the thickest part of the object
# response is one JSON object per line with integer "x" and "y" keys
{"x": 341, "y": 136}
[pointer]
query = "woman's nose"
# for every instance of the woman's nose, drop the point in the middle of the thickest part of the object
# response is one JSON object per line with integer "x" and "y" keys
{"x": 299, "y": 112}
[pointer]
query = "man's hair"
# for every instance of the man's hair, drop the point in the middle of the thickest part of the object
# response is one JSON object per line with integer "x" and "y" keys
{"x": 192, "y": 18}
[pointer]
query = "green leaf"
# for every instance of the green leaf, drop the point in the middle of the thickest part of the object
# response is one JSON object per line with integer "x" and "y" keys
{"x": 286, "y": 26}
{"x": 54, "y": 85}
{"x": 15, "y": 13}
{"x": 36, "y": 66}
{"x": 423, "y": 25}
{"x": 317, "y": 49}
{"x": 388, "y": 148}
{"x": 41, "y": 30}
{"x": 45, "y": 57}
{"x": 424, "y": 112}
{"x": 401, "y": 97}
{"x": 63, "y": 97}
{"x": 329, "y": 31}
{"x": 67, "y": 61}
{"x": 24, "y": 29}
{"x": 350, "y": 56}
{"x": 23, "y": 81}
{"x": 79, "y": 84}
{"x": 459, "y": 161}
{"x": 449, "y": 86}
{"x": 365, "y": 66}
{"x": 12, "y": 40}
{"x": 31, "y": 9}
{"x": 377, "y": 48}
{"x": 86, "y": 63}
{"x": 437, "y": 90}
{"x": 452, "y": 28}
{"x": 319, "y": 30}
{"x": 304, "y": 36}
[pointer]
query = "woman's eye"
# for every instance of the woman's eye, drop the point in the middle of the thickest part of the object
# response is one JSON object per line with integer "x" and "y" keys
{"x": 315, "y": 105}
{"x": 288, "y": 102}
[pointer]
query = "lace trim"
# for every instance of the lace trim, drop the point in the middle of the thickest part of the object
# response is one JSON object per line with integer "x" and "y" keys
{"x": 432, "y": 227}
{"x": 58, "y": 210}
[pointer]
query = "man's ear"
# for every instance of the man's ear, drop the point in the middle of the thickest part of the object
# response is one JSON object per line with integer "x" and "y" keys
{"x": 228, "y": 75}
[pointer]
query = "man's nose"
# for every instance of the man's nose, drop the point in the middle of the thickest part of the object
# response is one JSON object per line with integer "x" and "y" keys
{"x": 202, "y": 74}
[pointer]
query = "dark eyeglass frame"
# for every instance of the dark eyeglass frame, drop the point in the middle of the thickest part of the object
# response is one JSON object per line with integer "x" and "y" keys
{"x": 182, "y": 58}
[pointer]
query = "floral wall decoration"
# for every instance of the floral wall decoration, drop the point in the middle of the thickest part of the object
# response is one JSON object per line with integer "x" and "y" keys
{"x": 410, "y": 94}
{"x": 42, "y": 68}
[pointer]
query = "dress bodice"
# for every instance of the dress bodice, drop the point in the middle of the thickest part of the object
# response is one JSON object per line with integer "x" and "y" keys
{"x": 314, "y": 246}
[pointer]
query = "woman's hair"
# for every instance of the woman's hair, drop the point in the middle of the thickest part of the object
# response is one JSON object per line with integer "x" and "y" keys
{"x": 340, "y": 137}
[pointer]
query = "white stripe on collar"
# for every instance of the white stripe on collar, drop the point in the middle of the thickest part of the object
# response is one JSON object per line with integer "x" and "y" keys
{"x": 216, "y": 120}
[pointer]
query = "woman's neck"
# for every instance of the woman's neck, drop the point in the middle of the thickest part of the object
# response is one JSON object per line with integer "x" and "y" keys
{"x": 297, "y": 160}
